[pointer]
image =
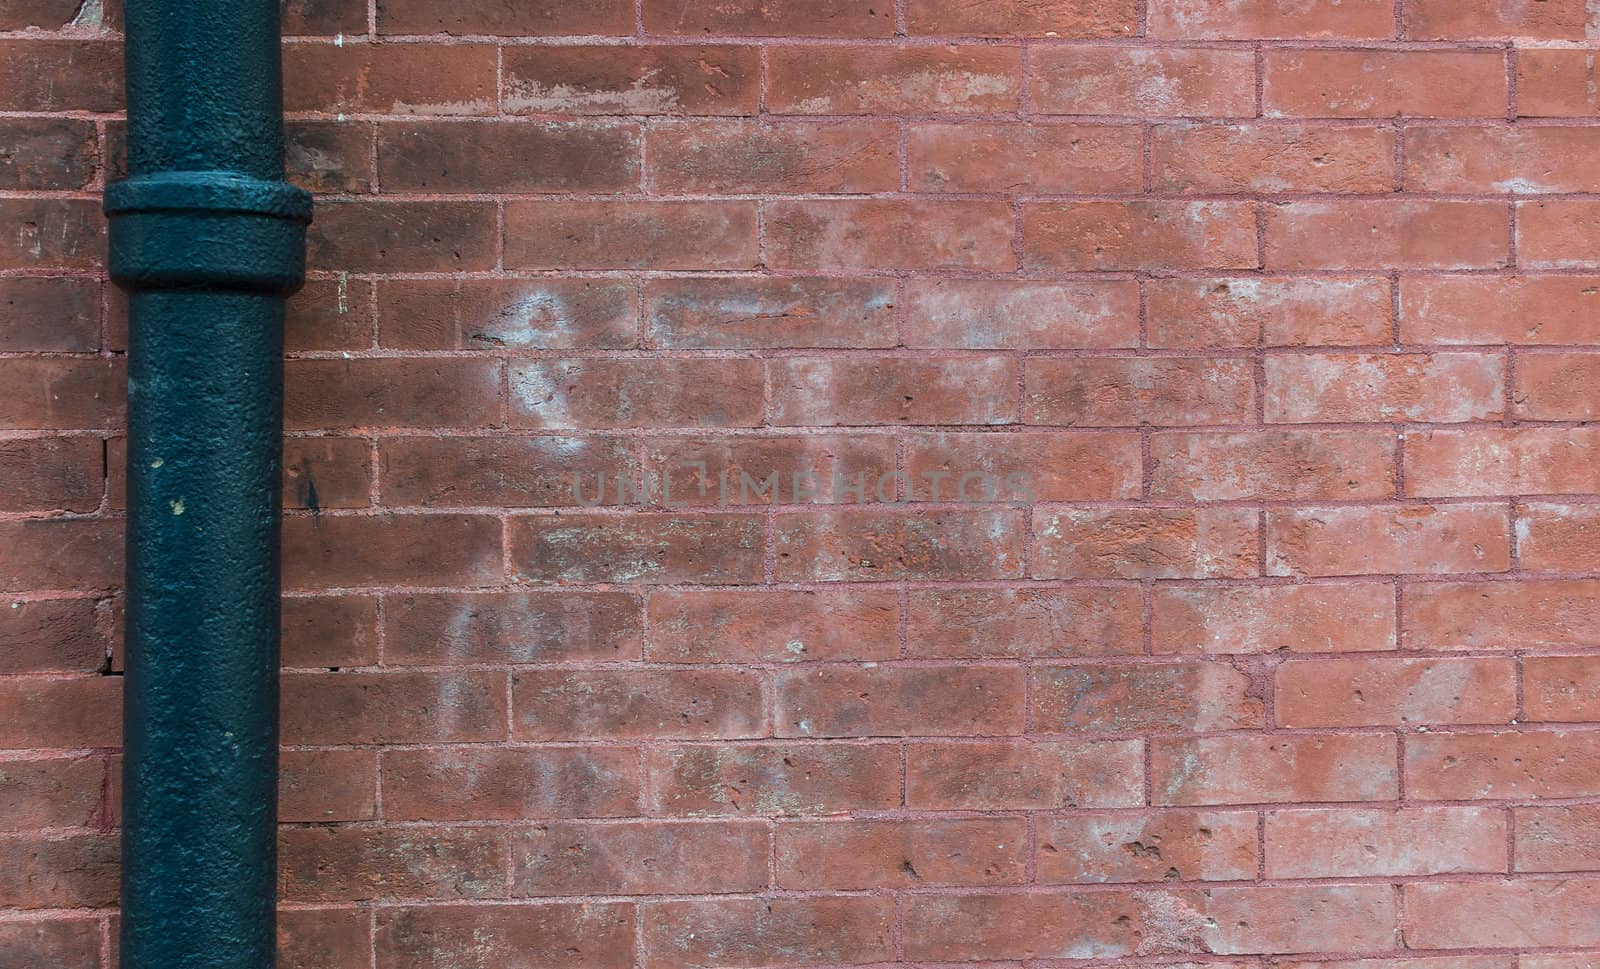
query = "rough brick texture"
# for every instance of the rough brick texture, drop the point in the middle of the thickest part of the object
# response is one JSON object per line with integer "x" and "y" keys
{"x": 1261, "y": 639}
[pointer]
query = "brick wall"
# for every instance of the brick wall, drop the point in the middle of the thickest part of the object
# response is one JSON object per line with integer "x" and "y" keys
{"x": 1276, "y": 317}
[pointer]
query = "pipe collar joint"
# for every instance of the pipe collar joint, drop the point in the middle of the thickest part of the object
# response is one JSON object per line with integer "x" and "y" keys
{"x": 207, "y": 230}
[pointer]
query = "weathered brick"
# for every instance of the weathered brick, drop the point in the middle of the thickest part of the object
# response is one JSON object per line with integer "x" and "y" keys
{"x": 1551, "y": 386}
{"x": 1561, "y": 688}
{"x": 1267, "y": 311}
{"x": 766, "y": 626}
{"x": 349, "y": 864}
{"x": 510, "y": 472}
{"x": 58, "y": 792}
{"x": 1381, "y": 540}
{"x": 329, "y": 156}
{"x": 1253, "y": 19}
{"x": 470, "y": 784}
{"x": 1321, "y": 618}
{"x": 743, "y": 156}
{"x": 1149, "y": 81}
{"x": 1130, "y": 391}
{"x": 327, "y": 472}
{"x": 1271, "y": 159}
{"x": 51, "y": 233}
{"x": 1372, "y": 692}
{"x": 804, "y": 469}
{"x": 402, "y": 236}
{"x": 639, "y": 858}
{"x": 901, "y": 854}
{"x": 1368, "y": 842}
{"x": 446, "y": 157}
{"x": 393, "y": 707}
{"x": 1558, "y": 537}
{"x": 40, "y": 944}
{"x": 327, "y": 785}
{"x": 880, "y": 234}
{"x": 61, "y": 393}
{"x": 1520, "y": 765}
{"x": 837, "y": 391}
{"x": 46, "y": 74}
{"x": 427, "y": 79}
{"x": 1387, "y": 235}
{"x": 768, "y": 932}
{"x": 1502, "y": 158}
{"x": 1254, "y": 769}
{"x": 1138, "y": 235}
{"x": 531, "y": 18}
{"x": 488, "y": 314}
{"x": 47, "y": 153}
{"x": 328, "y": 938}
{"x": 330, "y": 631}
{"x": 329, "y": 314}
{"x": 43, "y": 313}
{"x": 1480, "y": 310}
{"x": 645, "y": 234}
{"x": 1383, "y": 83}
{"x": 899, "y": 701}
{"x": 1558, "y": 234}
{"x": 878, "y": 545}
{"x": 53, "y": 636}
{"x": 1490, "y": 20}
{"x": 1370, "y": 387}
{"x": 772, "y": 779}
{"x": 1125, "y": 699}
{"x": 1148, "y": 847}
{"x": 44, "y": 474}
{"x": 780, "y": 18}
{"x": 1024, "y": 775}
{"x": 972, "y": 314}
{"x": 636, "y": 705}
{"x": 1555, "y": 84}
{"x": 553, "y": 935}
{"x": 1274, "y": 465}
{"x": 1144, "y": 543}
{"x": 967, "y": 79}
{"x": 1030, "y": 465}
{"x": 1502, "y": 914}
{"x": 1498, "y": 615}
{"x": 445, "y": 629}
{"x": 1024, "y": 158}
{"x": 1005, "y": 18}
{"x": 729, "y": 313}
{"x": 1024, "y": 623}
{"x": 1511, "y": 461}
{"x": 326, "y": 394}
{"x": 348, "y": 551}
{"x": 1557, "y": 838}
{"x": 720, "y": 549}
{"x": 76, "y": 871}
{"x": 645, "y": 80}
{"x": 45, "y": 554}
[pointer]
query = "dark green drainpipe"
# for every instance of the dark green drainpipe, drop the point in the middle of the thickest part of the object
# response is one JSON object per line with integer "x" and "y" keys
{"x": 208, "y": 241}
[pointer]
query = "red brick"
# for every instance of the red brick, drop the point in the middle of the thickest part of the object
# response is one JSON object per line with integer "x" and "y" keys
{"x": 512, "y": 627}
{"x": 47, "y": 153}
{"x": 77, "y": 871}
{"x": 472, "y": 784}
{"x": 61, "y": 792}
{"x": 1418, "y": 962}
{"x": 393, "y": 707}
{"x": 531, "y": 18}
{"x": 1575, "y": 960}
{"x": 899, "y": 702}
{"x": 639, "y": 858}
{"x": 61, "y": 393}
{"x": 1138, "y": 235}
{"x": 1109, "y": 924}
{"x": 1384, "y": 83}
{"x": 967, "y": 79}
{"x": 772, "y": 779}
{"x": 901, "y": 854}
{"x": 343, "y": 552}
{"x": 764, "y": 933}
{"x": 874, "y": 545}
{"x": 489, "y": 314}
{"x": 1254, "y": 769}
{"x": 1242, "y": 158}
{"x": 41, "y": 74}
{"x": 330, "y": 314}
{"x": 1520, "y": 160}
{"x": 1274, "y": 465}
{"x": 327, "y": 472}
{"x": 1500, "y": 615}
{"x": 330, "y": 631}
{"x": 1023, "y": 623}
{"x": 390, "y": 392}
{"x": 1491, "y": 20}
{"x": 338, "y": 938}
{"x": 879, "y": 234}
{"x": 1321, "y": 618}
{"x": 647, "y": 234}
{"x": 835, "y": 391}
{"x": 775, "y": 18}
{"x": 1021, "y": 314}
{"x": 1124, "y": 699}
{"x": 509, "y": 472}
{"x": 1025, "y": 158}
{"x": 1130, "y": 391}
{"x": 1252, "y": 19}
{"x": 1554, "y": 386}
{"x": 346, "y": 864}
{"x": 1382, "y": 540}
{"x": 1483, "y": 309}
{"x": 44, "y": 313}
{"x": 1520, "y": 765}
{"x": 1556, "y": 84}
{"x": 60, "y": 553}
{"x": 555, "y": 935}
{"x": 1387, "y": 235}
{"x": 772, "y": 626}
{"x": 391, "y": 236}
{"x": 1502, "y": 914}
{"x": 329, "y": 157}
{"x": 1144, "y": 543}
{"x": 729, "y": 313}
{"x": 1023, "y": 466}
{"x": 637, "y": 705}
{"x": 36, "y": 944}
{"x": 444, "y": 157}
{"x": 1371, "y": 692}
{"x": 53, "y": 636}
{"x": 1006, "y": 18}
{"x": 44, "y": 14}
{"x": 726, "y": 470}
{"x": 51, "y": 474}
{"x": 327, "y": 785}
{"x": 1022, "y": 775}
{"x": 1558, "y": 234}
{"x": 1439, "y": 387}
{"x": 751, "y": 157}
{"x": 1557, "y": 838}
{"x": 1562, "y": 688}
{"x": 645, "y": 80}
{"x": 1274, "y": 312}
{"x": 1148, "y": 847}
{"x": 431, "y": 79}
{"x": 1148, "y": 81}
{"x": 1558, "y": 538}
{"x": 1377, "y": 842}
{"x": 51, "y": 233}
{"x": 638, "y": 548}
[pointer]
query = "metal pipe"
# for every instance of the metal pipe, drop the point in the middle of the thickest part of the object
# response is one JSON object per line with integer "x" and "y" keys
{"x": 208, "y": 240}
